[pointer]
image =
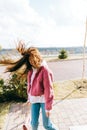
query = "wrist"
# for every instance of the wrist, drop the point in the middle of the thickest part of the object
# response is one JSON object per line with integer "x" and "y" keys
{"x": 47, "y": 110}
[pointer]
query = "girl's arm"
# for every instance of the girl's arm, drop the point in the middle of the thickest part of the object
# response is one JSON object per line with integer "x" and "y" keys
{"x": 48, "y": 89}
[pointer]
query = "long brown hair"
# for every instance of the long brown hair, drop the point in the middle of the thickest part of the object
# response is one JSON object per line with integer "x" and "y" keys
{"x": 27, "y": 54}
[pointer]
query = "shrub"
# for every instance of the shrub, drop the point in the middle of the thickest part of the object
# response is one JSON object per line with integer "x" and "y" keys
{"x": 14, "y": 89}
{"x": 63, "y": 54}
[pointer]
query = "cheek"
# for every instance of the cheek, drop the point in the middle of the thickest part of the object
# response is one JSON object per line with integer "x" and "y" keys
{"x": 35, "y": 62}
{"x": 31, "y": 60}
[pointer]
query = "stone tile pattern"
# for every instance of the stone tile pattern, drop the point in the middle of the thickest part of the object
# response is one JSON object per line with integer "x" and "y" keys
{"x": 65, "y": 113}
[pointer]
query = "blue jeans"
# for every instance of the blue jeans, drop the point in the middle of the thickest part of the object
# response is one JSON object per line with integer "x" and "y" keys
{"x": 35, "y": 112}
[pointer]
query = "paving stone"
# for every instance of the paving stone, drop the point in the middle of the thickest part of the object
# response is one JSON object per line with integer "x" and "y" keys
{"x": 84, "y": 127}
{"x": 64, "y": 115}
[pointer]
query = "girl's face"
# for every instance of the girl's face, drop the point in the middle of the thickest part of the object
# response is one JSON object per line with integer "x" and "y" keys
{"x": 35, "y": 61}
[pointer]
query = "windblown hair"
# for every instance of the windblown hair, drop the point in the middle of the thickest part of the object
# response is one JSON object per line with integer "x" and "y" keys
{"x": 30, "y": 54}
{"x": 17, "y": 65}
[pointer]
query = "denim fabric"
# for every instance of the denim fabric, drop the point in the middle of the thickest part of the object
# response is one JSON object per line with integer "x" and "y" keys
{"x": 35, "y": 112}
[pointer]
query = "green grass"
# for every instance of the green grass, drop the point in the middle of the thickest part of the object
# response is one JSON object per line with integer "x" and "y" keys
{"x": 4, "y": 109}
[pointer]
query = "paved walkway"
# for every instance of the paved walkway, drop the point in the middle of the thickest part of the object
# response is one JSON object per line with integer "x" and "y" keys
{"x": 65, "y": 113}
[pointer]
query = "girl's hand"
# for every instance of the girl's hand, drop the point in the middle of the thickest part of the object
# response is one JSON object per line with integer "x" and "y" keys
{"x": 28, "y": 102}
{"x": 47, "y": 113}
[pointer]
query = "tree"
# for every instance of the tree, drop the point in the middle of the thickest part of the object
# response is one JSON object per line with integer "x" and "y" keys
{"x": 63, "y": 54}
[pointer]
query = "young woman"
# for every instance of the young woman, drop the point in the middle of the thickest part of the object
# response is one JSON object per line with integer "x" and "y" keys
{"x": 39, "y": 88}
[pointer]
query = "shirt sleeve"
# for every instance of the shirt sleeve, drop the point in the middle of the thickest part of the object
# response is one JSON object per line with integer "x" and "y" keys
{"x": 48, "y": 89}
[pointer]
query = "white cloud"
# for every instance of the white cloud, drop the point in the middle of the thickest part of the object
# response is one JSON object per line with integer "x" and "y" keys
{"x": 65, "y": 26}
{"x": 69, "y": 12}
{"x": 17, "y": 20}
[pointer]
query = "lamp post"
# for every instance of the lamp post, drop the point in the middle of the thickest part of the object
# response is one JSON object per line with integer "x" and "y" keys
{"x": 83, "y": 73}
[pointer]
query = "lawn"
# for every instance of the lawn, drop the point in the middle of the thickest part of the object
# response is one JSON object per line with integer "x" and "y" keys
{"x": 70, "y": 89}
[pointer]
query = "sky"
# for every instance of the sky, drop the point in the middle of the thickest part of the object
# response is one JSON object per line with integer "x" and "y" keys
{"x": 43, "y": 23}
